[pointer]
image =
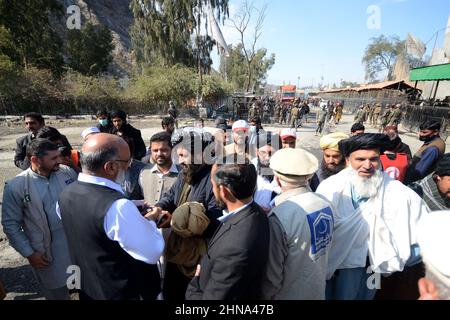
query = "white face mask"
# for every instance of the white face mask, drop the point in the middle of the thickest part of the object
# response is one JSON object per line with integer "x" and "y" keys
{"x": 120, "y": 179}
{"x": 252, "y": 129}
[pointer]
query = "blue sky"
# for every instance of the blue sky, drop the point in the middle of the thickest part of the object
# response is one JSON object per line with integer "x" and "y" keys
{"x": 330, "y": 36}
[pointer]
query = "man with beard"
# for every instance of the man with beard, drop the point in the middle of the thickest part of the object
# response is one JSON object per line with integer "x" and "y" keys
{"x": 30, "y": 221}
{"x": 190, "y": 198}
{"x": 435, "y": 188}
{"x": 122, "y": 128}
{"x": 33, "y": 122}
{"x": 233, "y": 266}
{"x": 105, "y": 231}
{"x": 266, "y": 188}
{"x": 397, "y": 156}
{"x": 157, "y": 179}
{"x": 240, "y": 146}
{"x": 425, "y": 159}
{"x": 301, "y": 229}
{"x": 332, "y": 162}
{"x": 375, "y": 222}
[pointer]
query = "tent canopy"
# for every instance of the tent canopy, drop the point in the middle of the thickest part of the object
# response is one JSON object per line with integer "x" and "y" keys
{"x": 431, "y": 73}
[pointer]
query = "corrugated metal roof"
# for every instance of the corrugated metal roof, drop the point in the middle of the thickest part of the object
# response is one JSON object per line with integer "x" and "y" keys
{"x": 431, "y": 73}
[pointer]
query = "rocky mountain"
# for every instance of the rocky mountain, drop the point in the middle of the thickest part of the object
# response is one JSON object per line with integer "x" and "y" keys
{"x": 117, "y": 16}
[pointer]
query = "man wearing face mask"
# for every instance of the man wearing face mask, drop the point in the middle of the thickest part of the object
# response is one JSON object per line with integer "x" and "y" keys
{"x": 104, "y": 122}
{"x": 425, "y": 159}
{"x": 397, "y": 156}
{"x": 105, "y": 231}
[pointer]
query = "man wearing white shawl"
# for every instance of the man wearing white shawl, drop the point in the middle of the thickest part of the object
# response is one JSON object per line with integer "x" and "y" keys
{"x": 375, "y": 220}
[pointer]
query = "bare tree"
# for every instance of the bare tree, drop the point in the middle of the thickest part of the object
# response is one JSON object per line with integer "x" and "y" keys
{"x": 242, "y": 22}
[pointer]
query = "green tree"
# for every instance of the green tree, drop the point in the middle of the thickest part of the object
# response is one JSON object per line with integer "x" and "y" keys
{"x": 89, "y": 49}
{"x": 8, "y": 69}
{"x": 34, "y": 39}
{"x": 380, "y": 55}
{"x": 345, "y": 84}
{"x": 232, "y": 67}
{"x": 162, "y": 33}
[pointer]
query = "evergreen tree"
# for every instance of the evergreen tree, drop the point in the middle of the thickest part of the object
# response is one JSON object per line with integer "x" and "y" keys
{"x": 89, "y": 49}
{"x": 35, "y": 41}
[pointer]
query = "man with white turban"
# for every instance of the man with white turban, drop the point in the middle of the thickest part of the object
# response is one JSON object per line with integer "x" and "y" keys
{"x": 332, "y": 161}
{"x": 375, "y": 220}
{"x": 434, "y": 241}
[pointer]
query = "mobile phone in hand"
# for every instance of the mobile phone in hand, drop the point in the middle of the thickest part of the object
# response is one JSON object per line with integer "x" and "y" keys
{"x": 161, "y": 219}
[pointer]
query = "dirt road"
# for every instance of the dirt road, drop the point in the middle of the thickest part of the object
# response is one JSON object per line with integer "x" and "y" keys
{"x": 15, "y": 272}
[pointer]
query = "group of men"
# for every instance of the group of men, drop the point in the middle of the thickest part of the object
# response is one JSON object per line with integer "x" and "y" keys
{"x": 391, "y": 115}
{"x": 236, "y": 213}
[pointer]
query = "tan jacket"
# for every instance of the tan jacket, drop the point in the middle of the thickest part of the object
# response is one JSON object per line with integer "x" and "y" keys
{"x": 184, "y": 246}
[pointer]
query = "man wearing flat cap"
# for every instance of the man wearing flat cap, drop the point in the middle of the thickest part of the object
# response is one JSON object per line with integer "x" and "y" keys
{"x": 301, "y": 229}
{"x": 435, "y": 188}
{"x": 434, "y": 242}
{"x": 375, "y": 222}
{"x": 332, "y": 162}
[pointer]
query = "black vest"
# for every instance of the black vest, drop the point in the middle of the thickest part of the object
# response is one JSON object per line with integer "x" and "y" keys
{"x": 106, "y": 269}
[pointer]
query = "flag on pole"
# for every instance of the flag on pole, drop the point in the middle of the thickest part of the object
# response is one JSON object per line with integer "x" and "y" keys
{"x": 216, "y": 33}
{"x": 415, "y": 46}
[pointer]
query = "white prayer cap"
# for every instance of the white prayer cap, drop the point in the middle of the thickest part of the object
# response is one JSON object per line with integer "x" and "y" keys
{"x": 89, "y": 131}
{"x": 289, "y": 163}
{"x": 288, "y": 132}
{"x": 434, "y": 240}
{"x": 240, "y": 125}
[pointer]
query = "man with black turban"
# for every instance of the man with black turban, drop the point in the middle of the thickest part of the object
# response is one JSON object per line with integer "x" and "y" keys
{"x": 124, "y": 129}
{"x": 189, "y": 209}
{"x": 425, "y": 159}
{"x": 375, "y": 221}
{"x": 435, "y": 188}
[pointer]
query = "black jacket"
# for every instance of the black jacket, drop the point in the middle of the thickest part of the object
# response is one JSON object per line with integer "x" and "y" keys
{"x": 20, "y": 158}
{"x": 139, "y": 146}
{"x": 234, "y": 263}
{"x": 201, "y": 191}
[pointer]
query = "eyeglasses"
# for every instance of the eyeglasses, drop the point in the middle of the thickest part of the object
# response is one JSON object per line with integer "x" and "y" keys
{"x": 128, "y": 162}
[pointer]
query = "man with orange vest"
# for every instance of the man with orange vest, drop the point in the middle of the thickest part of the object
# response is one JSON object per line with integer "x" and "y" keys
{"x": 397, "y": 156}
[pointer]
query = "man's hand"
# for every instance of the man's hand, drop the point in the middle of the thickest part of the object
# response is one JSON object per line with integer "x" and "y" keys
{"x": 153, "y": 214}
{"x": 167, "y": 217}
{"x": 37, "y": 260}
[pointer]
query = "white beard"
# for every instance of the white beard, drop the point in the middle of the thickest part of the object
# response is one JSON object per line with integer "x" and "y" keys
{"x": 366, "y": 187}
{"x": 121, "y": 177}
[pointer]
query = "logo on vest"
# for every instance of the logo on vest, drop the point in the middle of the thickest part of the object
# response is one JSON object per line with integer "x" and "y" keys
{"x": 321, "y": 224}
{"x": 69, "y": 181}
{"x": 393, "y": 172}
